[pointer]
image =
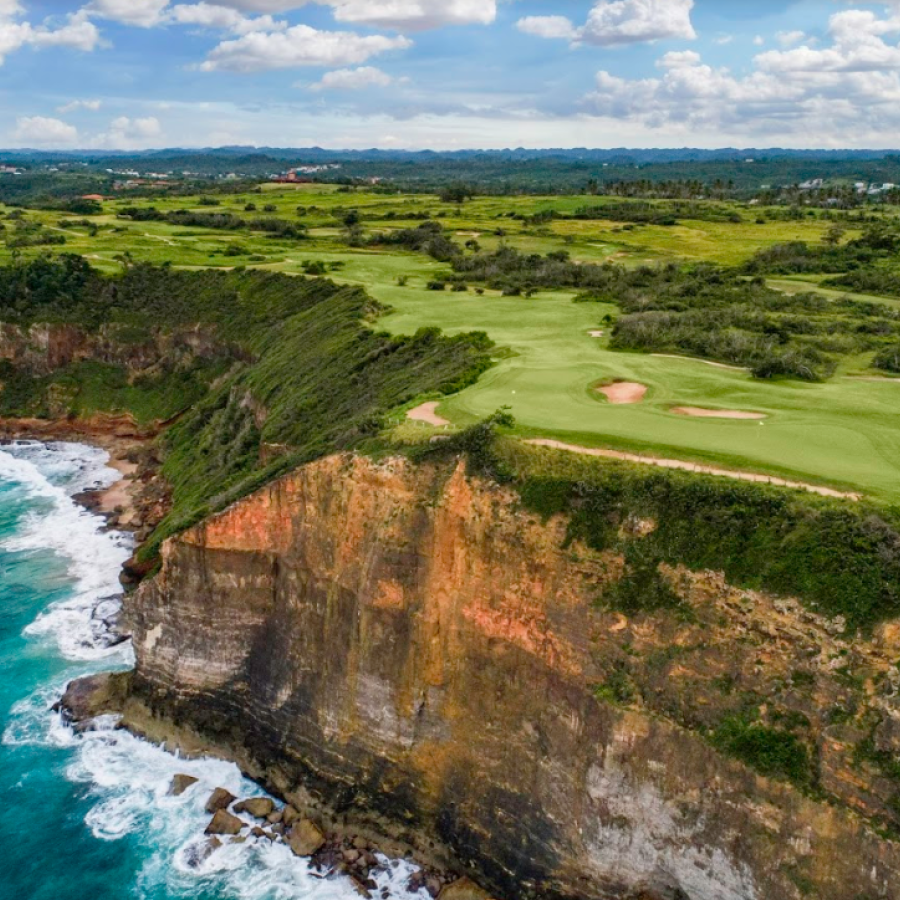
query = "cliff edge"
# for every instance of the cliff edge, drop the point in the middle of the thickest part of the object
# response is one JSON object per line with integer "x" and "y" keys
{"x": 407, "y": 648}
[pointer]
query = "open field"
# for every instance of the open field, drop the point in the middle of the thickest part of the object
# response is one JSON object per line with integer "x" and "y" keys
{"x": 842, "y": 433}
{"x": 320, "y": 208}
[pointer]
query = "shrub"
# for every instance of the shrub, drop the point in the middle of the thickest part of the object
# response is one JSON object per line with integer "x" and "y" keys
{"x": 771, "y": 752}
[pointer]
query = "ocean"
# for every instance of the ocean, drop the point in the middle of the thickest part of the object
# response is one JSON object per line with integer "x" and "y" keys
{"x": 91, "y": 817}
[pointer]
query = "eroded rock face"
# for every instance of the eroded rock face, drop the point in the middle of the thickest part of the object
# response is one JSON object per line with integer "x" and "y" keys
{"x": 46, "y": 348}
{"x": 405, "y": 648}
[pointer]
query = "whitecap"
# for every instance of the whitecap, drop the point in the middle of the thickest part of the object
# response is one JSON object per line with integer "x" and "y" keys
{"x": 128, "y": 781}
{"x": 49, "y": 474}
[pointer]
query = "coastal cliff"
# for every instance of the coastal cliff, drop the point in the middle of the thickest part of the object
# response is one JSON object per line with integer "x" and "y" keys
{"x": 409, "y": 649}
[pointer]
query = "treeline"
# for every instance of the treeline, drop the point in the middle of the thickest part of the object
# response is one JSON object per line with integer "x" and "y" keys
{"x": 879, "y": 242}
{"x": 868, "y": 281}
{"x": 216, "y": 220}
{"x": 704, "y": 311}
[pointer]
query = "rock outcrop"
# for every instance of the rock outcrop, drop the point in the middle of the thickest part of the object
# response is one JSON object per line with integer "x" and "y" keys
{"x": 406, "y": 650}
{"x": 43, "y": 349}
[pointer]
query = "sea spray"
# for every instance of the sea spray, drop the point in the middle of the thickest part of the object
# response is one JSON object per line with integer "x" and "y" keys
{"x": 108, "y": 791}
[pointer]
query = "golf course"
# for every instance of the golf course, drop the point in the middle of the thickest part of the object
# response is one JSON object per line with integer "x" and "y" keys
{"x": 553, "y": 357}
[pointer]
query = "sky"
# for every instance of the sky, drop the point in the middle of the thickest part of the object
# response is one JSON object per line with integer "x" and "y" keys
{"x": 449, "y": 74}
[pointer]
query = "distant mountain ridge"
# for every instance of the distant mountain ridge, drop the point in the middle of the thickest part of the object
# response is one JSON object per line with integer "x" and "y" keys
{"x": 578, "y": 154}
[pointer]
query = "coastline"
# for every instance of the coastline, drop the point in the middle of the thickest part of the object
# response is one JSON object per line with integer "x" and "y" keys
{"x": 137, "y": 501}
{"x": 351, "y": 847}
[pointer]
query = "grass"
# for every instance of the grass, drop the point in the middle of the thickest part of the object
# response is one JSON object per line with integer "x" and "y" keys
{"x": 839, "y": 433}
{"x": 842, "y": 433}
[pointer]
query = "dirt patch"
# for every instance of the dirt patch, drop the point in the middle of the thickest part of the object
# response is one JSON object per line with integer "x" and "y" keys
{"x": 596, "y": 334}
{"x": 875, "y": 379}
{"x": 695, "y": 467}
{"x": 427, "y": 413}
{"x": 623, "y": 393}
{"x": 706, "y": 362}
{"x": 697, "y": 412}
{"x": 468, "y": 234}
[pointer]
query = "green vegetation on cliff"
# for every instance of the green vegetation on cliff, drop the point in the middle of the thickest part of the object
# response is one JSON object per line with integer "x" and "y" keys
{"x": 267, "y": 371}
{"x": 840, "y": 559}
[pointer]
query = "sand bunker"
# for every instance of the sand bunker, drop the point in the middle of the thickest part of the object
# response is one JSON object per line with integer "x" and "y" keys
{"x": 596, "y": 334}
{"x": 698, "y": 413}
{"x": 622, "y": 393}
{"x": 427, "y": 413}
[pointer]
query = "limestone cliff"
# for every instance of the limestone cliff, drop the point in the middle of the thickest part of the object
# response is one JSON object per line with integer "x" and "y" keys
{"x": 407, "y": 648}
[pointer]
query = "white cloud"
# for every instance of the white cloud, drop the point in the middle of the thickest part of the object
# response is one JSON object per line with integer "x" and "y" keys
{"x": 817, "y": 96}
{"x": 353, "y": 79}
{"x": 299, "y": 46}
{"x": 129, "y": 134}
{"x": 74, "y": 105}
{"x": 789, "y": 38}
{"x": 78, "y": 33}
{"x": 554, "y": 27}
{"x": 410, "y": 15}
{"x": 38, "y": 130}
{"x": 210, "y": 15}
{"x": 858, "y": 45}
{"x": 679, "y": 59}
{"x": 619, "y": 22}
{"x": 142, "y": 13}
{"x": 415, "y": 14}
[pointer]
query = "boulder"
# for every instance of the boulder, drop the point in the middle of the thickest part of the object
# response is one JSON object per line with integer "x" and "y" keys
{"x": 464, "y": 889}
{"x": 181, "y": 783}
{"x": 305, "y": 838}
{"x": 219, "y": 799}
{"x": 224, "y": 823}
{"x": 199, "y": 853}
{"x": 258, "y": 807}
{"x": 289, "y": 815}
{"x": 96, "y": 695}
{"x": 359, "y": 887}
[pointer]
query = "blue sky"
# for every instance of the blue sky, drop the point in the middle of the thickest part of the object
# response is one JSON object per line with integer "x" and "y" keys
{"x": 447, "y": 74}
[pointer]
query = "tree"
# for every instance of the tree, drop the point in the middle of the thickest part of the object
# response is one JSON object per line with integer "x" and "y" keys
{"x": 456, "y": 193}
{"x": 834, "y": 235}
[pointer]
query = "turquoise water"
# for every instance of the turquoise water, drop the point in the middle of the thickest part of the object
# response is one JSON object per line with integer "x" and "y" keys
{"x": 90, "y": 817}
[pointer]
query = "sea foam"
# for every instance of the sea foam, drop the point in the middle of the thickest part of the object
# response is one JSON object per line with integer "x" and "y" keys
{"x": 49, "y": 475}
{"x": 128, "y": 780}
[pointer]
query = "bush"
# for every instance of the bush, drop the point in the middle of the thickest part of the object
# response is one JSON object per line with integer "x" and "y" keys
{"x": 771, "y": 752}
{"x": 889, "y": 359}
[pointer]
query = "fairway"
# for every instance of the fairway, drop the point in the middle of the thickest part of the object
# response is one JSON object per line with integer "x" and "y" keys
{"x": 843, "y": 433}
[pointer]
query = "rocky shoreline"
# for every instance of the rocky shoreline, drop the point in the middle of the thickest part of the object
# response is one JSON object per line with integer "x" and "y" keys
{"x": 332, "y": 852}
{"x": 136, "y": 504}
